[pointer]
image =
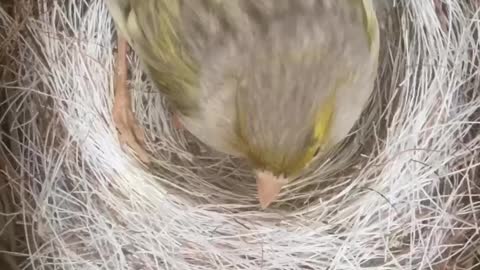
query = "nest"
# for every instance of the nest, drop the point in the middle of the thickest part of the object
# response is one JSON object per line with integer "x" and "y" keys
{"x": 401, "y": 192}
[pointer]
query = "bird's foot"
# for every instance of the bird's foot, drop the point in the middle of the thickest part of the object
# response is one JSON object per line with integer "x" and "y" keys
{"x": 177, "y": 123}
{"x": 129, "y": 131}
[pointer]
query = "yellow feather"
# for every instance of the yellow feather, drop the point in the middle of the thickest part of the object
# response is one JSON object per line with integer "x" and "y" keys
{"x": 322, "y": 124}
{"x": 320, "y": 132}
{"x": 370, "y": 22}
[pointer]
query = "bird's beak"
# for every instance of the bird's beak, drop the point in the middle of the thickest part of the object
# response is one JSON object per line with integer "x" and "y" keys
{"x": 268, "y": 187}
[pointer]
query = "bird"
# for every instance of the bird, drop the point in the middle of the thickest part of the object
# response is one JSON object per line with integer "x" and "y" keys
{"x": 276, "y": 82}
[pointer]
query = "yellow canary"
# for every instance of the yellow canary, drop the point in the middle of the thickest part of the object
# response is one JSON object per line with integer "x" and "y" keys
{"x": 273, "y": 81}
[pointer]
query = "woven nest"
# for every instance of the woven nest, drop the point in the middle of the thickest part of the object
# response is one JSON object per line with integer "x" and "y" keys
{"x": 402, "y": 192}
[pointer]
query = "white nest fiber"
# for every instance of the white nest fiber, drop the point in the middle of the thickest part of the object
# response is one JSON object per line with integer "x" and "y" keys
{"x": 401, "y": 193}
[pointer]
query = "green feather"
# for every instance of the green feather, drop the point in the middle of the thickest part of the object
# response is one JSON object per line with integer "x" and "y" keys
{"x": 152, "y": 29}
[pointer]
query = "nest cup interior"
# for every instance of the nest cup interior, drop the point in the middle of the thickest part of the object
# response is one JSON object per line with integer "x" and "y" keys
{"x": 399, "y": 193}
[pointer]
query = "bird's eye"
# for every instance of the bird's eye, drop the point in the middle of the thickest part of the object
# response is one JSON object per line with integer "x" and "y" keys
{"x": 316, "y": 152}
